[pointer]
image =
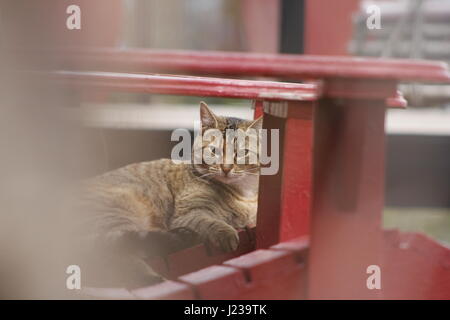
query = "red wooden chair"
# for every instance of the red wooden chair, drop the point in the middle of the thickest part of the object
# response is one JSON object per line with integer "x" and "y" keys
{"x": 319, "y": 219}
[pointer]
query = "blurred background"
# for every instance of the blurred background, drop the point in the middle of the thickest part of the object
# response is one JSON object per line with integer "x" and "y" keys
{"x": 49, "y": 138}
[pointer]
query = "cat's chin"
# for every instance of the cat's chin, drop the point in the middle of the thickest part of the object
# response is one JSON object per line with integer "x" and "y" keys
{"x": 224, "y": 179}
{"x": 247, "y": 185}
{"x": 228, "y": 179}
{"x": 232, "y": 179}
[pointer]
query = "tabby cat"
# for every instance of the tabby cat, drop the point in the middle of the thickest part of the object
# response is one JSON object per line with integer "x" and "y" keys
{"x": 152, "y": 208}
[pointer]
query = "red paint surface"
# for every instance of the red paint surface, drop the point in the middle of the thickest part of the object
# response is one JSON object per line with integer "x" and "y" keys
{"x": 271, "y": 274}
{"x": 198, "y": 257}
{"x": 360, "y": 88}
{"x": 216, "y": 282}
{"x": 347, "y": 196}
{"x": 414, "y": 267}
{"x": 397, "y": 101}
{"x": 282, "y": 66}
{"x": 258, "y": 109}
{"x": 328, "y": 26}
{"x": 260, "y": 20}
{"x": 184, "y": 85}
{"x": 298, "y": 246}
{"x": 285, "y": 199}
{"x": 167, "y": 290}
{"x": 270, "y": 192}
{"x": 278, "y": 273}
{"x": 297, "y": 171}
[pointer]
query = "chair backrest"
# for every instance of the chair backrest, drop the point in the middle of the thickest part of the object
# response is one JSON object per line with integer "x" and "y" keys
{"x": 331, "y": 175}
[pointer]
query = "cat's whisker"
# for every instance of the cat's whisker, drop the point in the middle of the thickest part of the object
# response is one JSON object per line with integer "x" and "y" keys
{"x": 120, "y": 209}
{"x": 251, "y": 170}
{"x": 205, "y": 175}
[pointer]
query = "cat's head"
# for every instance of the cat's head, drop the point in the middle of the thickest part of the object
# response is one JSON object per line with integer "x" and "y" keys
{"x": 235, "y": 155}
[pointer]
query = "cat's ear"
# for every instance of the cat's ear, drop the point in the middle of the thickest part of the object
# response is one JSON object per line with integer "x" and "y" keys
{"x": 207, "y": 117}
{"x": 256, "y": 124}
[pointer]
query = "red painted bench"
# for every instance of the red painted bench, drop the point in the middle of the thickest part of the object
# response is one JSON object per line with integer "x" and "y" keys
{"x": 319, "y": 219}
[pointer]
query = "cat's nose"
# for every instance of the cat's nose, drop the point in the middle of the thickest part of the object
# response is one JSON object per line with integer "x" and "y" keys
{"x": 226, "y": 168}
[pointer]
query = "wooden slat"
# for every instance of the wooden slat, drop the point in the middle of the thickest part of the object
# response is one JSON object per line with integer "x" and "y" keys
{"x": 184, "y": 85}
{"x": 348, "y": 198}
{"x": 283, "y": 66}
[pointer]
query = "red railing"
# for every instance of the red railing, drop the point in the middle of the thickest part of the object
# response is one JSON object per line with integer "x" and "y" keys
{"x": 330, "y": 186}
{"x": 282, "y": 66}
{"x": 189, "y": 86}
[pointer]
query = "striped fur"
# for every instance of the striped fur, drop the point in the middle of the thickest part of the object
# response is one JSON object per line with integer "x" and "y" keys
{"x": 163, "y": 197}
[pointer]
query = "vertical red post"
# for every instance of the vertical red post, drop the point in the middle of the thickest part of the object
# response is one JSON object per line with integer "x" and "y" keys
{"x": 297, "y": 171}
{"x": 348, "y": 198}
{"x": 328, "y": 26}
{"x": 285, "y": 198}
{"x": 258, "y": 109}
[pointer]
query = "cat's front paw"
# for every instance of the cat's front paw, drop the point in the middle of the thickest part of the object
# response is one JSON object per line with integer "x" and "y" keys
{"x": 224, "y": 237}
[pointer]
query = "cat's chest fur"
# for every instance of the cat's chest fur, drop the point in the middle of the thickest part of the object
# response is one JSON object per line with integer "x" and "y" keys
{"x": 150, "y": 195}
{"x": 221, "y": 201}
